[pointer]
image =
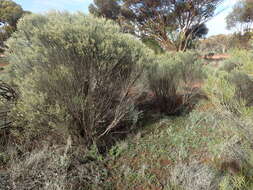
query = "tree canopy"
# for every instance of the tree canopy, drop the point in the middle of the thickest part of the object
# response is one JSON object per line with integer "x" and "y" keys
{"x": 10, "y": 13}
{"x": 172, "y": 23}
{"x": 106, "y": 8}
{"x": 241, "y": 18}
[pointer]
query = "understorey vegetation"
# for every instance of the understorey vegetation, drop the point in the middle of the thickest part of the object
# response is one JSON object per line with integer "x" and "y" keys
{"x": 86, "y": 106}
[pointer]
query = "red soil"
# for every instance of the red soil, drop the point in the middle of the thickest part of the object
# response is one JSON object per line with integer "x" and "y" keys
{"x": 216, "y": 57}
{"x": 3, "y": 64}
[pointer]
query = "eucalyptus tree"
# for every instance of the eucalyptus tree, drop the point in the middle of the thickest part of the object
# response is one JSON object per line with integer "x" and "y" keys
{"x": 10, "y": 13}
{"x": 173, "y": 24}
{"x": 241, "y": 18}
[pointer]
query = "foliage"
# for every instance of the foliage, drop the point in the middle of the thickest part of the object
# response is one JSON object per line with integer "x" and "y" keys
{"x": 232, "y": 153}
{"x": 225, "y": 43}
{"x": 172, "y": 80}
{"x": 172, "y": 28}
{"x": 64, "y": 167}
{"x": 165, "y": 152}
{"x": 230, "y": 93}
{"x": 172, "y": 24}
{"x": 213, "y": 85}
{"x": 152, "y": 44}
{"x": 77, "y": 72}
{"x": 196, "y": 32}
{"x": 239, "y": 182}
{"x": 228, "y": 65}
{"x": 241, "y": 40}
{"x": 77, "y": 76}
{"x": 5, "y": 34}
{"x": 195, "y": 176}
{"x": 241, "y": 17}
{"x": 106, "y": 8}
{"x": 215, "y": 44}
{"x": 10, "y": 13}
{"x": 238, "y": 68}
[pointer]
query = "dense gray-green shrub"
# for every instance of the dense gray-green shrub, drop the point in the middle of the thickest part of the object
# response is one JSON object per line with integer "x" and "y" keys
{"x": 74, "y": 73}
{"x": 244, "y": 86}
{"x": 174, "y": 80}
{"x": 238, "y": 73}
{"x": 63, "y": 167}
{"x": 228, "y": 66}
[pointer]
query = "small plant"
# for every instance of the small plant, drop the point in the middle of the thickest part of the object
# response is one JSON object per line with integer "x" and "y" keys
{"x": 118, "y": 149}
{"x": 4, "y": 158}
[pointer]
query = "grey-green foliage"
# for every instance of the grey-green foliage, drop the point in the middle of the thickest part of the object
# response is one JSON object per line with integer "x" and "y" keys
{"x": 74, "y": 72}
{"x": 196, "y": 176}
{"x": 238, "y": 69}
{"x": 228, "y": 66}
{"x": 244, "y": 86}
{"x": 10, "y": 13}
{"x": 61, "y": 168}
{"x": 172, "y": 80}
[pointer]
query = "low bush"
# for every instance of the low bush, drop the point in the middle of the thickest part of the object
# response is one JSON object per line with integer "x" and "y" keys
{"x": 175, "y": 80}
{"x": 233, "y": 81}
{"x": 74, "y": 74}
{"x": 244, "y": 87}
{"x": 228, "y": 66}
{"x": 231, "y": 94}
{"x": 63, "y": 167}
{"x": 237, "y": 59}
{"x": 196, "y": 176}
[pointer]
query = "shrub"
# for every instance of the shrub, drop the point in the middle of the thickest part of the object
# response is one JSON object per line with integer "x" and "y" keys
{"x": 234, "y": 76}
{"x": 228, "y": 66}
{"x": 174, "y": 80}
{"x": 236, "y": 59}
{"x": 195, "y": 176}
{"x": 58, "y": 168}
{"x": 231, "y": 101}
{"x": 77, "y": 71}
{"x": 221, "y": 91}
{"x": 231, "y": 93}
{"x": 244, "y": 87}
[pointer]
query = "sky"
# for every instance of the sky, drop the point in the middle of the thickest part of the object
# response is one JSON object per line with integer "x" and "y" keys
{"x": 38, "y": 6}
{"x": 217, "y": 25}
